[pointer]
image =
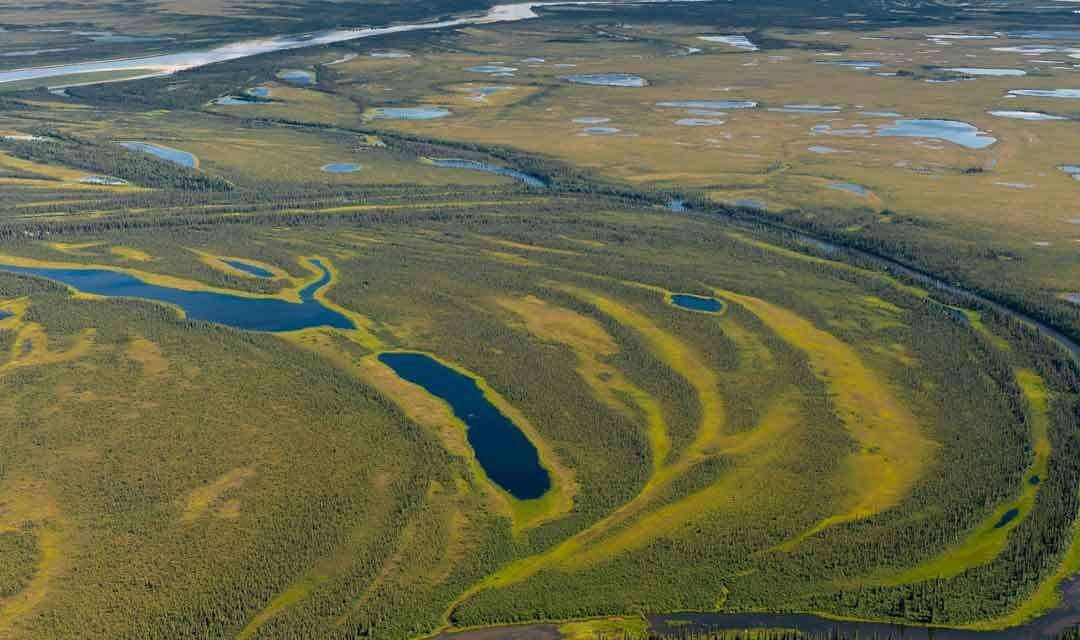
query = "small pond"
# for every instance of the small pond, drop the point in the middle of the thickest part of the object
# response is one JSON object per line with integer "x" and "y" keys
{"x": 1024, "y": 115}
{"x": 1072, "y": 170}
{"x": 607, "y": 79}
{"x": 1046, "y": 93}
{"x": 710, "y": 104}
{"x": 410, "y": 113}
{"x": 601, "y": 131}
{"x": 472, "y": 165}
{"x": 850, "y": 188}
{"x": 299, "y": 77}
{"x": 699, "y": 122}
{"x": 503, "y": 451}
{"x": 177, "y": 156}
{"x": 978, "y": 71}
{"x": 697, "y": 303}
{"x": 591, "y": 120}
{"x": 240, "y": 312}
{"x": 342, "y": 167}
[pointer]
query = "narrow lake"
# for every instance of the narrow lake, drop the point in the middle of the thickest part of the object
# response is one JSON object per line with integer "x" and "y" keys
{"x": 472, "y": 165}
{"x": 505, "y": 454}
{"x": 249, "y": 268}
{"x": 240, "y": 312}
{"x": 697, "y": 303}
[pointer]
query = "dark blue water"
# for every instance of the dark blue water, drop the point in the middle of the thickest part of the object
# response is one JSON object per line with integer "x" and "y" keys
{"x": 249, "y": 268}
{"x": 1034, "y": 480}
{"x": 505, "y": 454}
{"x": 1009, "y": 516}
{"x": 252, "y": 314}
{"x": 472, "y": 165}
{"x": 4, "y": 314}
{"x": 697, "y": 303}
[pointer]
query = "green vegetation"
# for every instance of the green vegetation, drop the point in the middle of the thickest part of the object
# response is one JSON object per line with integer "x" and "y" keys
{"x": 840, "y": 440}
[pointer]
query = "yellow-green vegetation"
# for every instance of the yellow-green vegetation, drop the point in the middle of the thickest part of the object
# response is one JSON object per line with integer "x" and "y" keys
{"x": 842, "y": 438}
{"x": 600, "y": 629}
{"x": 592, "y": 344}
{"x": 892, "y": 450}
{"x": 990, "y": 536}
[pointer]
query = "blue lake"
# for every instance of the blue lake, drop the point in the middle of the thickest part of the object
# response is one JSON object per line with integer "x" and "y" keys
{"x": 341, "y": 167}
{"x": 249, "y": 268}
{"x": 4, "y": 314}
{"x": 503, "y": 451}
{"x": 601, "y": 131}
{"x": 960, "y": 133}
{"x": 697, "y": 303}
{"x": 259, "y": 92}
{"x": 472, "y": 165}
{"x": 851, "y": 188}
{"x": 252, "y": 314}
{"x": 182, "y": 158}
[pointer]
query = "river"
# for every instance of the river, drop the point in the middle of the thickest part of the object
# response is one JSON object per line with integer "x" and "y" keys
{"x": 169, "y": 63}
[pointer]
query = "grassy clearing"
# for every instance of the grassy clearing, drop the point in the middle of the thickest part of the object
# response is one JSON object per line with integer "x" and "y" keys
{"x": 892, "y": 450}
